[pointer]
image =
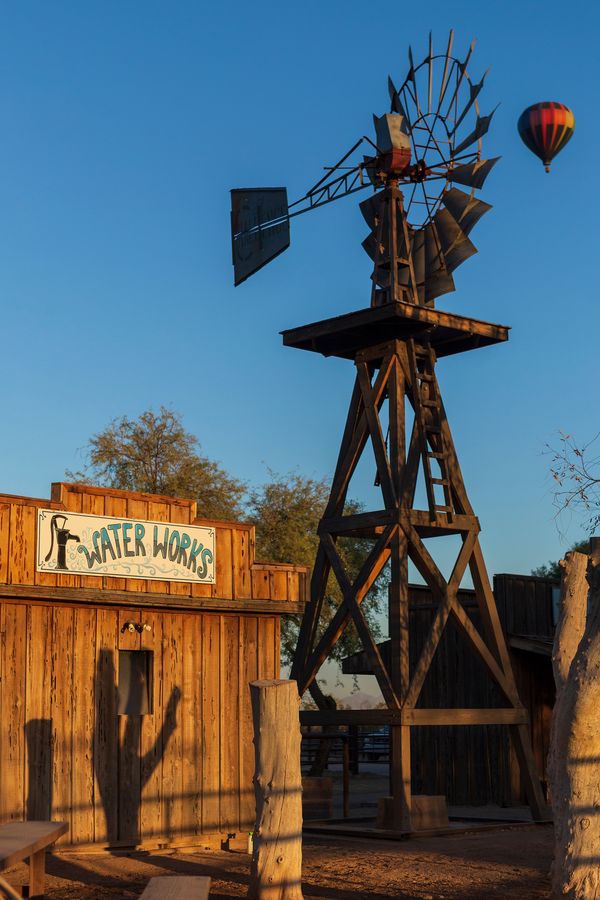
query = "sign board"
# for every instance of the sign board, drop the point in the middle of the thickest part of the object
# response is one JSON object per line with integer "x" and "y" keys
{"x": 80, "y": 544}
{"x": 260, "y": 228}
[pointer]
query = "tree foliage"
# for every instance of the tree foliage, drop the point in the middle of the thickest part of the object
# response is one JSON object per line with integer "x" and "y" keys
{"x": 286, "y": 512}
{"x": 551, "y": 569}
{"x": 155, "y": 454}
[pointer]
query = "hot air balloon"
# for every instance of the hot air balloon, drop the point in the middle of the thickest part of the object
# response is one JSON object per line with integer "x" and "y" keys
{"x": 545, "y": 128}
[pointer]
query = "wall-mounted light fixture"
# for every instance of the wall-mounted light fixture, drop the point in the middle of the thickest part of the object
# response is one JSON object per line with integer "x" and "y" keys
{"x": 140, "y": 627}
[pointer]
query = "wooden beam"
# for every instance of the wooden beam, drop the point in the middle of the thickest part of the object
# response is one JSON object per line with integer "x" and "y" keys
{"x": 372, "y": 651}
{"x": 489, "y": 612}
{"x": 428, "y": 652}
{"x": 428, "y": 527}
{"x": 336, "y": 564}
{"x": 425, "y": 717}
{"x": 521, "y": 740}
{"x": 367, "y": 575}
{"x": 477, "y": 643}
{"x": 377, "y": 439}
{"x": 462, "y": 561}
{"x": 424, "y": 562}
{"x": 84, "y": 596}
{"x": 341, "y": 524}
{"x": 465, "y": 716}
{"x": 340, "y": 717}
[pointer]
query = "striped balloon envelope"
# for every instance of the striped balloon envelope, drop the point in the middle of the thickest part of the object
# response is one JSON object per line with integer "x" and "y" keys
{"x": 546, "y": 128}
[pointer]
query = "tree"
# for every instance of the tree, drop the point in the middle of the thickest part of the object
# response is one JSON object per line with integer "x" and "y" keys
{"x": 155, "y": 454}
{"x": 574, "y": 745}
{"x": 576, "y": 471}
{"x": 286, "y": 512}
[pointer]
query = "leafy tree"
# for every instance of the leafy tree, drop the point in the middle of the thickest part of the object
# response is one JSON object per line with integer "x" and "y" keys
{"x": 552, "y": 568}
{"x": 286, "y": 512}
{"x": 155, "y": 454}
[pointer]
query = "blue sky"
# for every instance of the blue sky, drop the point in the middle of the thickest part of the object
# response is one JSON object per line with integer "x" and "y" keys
{"x": 124, "y": 125}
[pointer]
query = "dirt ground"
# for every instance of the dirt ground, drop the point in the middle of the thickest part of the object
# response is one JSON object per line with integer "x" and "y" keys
{"x": 510, "y": 863}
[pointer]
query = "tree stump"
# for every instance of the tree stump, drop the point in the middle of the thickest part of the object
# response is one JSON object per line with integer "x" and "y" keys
{"x": 575, "y": 747}
{"x": 276, "y": 869}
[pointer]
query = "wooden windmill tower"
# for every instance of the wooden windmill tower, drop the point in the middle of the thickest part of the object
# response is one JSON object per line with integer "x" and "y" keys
{"x": 419, "y": 225}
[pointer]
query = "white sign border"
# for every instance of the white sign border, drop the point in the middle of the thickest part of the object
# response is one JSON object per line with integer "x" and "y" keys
{"x": 141, "y": 574}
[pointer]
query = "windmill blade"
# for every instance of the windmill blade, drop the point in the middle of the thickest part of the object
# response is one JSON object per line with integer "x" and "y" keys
{"x": 473, "y": 174}
{"x": 474, "y": 90}
{"x": 418, "y": 259}
{"x": 430, "y": 74}
{"x": 462, "y": 66}
{"x": 434, "y": 258}
{"x": 456, "y": 246}
{"x": 411, "y": 77}
{"x": 396, "y": 103}
{"x": 418, "y": 256}
{"x": 370, "y": 209}
{"x": 444, "y": 82}
{"x": 369, "y": 165}
{"x": 481, "y": 126}
{"x": 369, "y": 245}
{"x": 436, "y": 280}
{"x": 437, "y": 284}
{"x": 464, "y": 208}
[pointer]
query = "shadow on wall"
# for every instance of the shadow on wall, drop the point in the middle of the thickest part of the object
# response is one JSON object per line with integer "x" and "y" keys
{"x": 121, "y": 770}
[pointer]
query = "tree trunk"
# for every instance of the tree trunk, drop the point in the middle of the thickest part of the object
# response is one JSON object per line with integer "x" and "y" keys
{"x": 276, "y": 869}
{"x": 571, "y": 622}
{"x": 575, "y": 749}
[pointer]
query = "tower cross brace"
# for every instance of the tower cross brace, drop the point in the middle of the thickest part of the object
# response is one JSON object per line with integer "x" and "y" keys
{"x": 403, "y": 366}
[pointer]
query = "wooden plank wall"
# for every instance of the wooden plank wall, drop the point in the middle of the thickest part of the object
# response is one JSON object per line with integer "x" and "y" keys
{"x": 476, "y": 764}
{"x": 525, "y": 606}
{"x": 469, "y": 764}
{"x": 183, "y": 770}
{"x": 238, "y": 575}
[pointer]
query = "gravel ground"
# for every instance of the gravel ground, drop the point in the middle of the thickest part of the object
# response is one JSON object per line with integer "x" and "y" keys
{"x": 509, "y": 863}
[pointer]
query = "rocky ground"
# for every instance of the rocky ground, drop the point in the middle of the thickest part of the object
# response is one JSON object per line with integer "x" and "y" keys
{"x": 508, "y": 863}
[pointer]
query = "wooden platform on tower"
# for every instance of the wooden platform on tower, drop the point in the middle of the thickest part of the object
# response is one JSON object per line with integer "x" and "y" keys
{"x": 395, "y": 348}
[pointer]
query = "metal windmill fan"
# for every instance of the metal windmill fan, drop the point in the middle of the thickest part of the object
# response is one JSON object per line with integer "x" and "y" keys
{"x": 429, "y": 142}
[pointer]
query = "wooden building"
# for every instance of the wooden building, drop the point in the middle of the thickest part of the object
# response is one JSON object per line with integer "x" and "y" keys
{"x": 124, "y": 700}
{"x": 478, "y": 765}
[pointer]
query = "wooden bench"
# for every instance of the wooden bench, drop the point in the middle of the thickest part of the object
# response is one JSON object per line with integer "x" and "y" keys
{"x": 177, "y": 887}
{"x": 29, "y": 840}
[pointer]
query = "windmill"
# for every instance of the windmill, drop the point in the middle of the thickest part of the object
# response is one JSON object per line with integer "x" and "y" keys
{"x": 420, "y": 221}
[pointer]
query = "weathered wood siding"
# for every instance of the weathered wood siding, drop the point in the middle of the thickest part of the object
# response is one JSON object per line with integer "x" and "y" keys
{"x": 238, "y": 575}
{"x": 182, "y": 771}
{"x": 65, "y": 754}
{"x": 475, "y": 765}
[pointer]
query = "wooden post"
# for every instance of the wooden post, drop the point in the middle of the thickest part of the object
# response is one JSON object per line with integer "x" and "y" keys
{"x": 276, "y": 869}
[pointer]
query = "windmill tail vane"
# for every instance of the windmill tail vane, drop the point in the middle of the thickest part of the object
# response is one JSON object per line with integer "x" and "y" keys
{"x": 429, "y": 142}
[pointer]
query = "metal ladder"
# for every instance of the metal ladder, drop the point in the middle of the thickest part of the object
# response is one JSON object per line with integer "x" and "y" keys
{"x": 428, "y": 413}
